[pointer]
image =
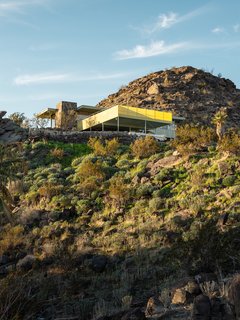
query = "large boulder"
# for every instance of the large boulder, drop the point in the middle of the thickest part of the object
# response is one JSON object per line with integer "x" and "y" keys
{"x": 99, "y": 263}
{"x": 201, "y": 308}
{"x": 10, "y": 132}
{"x": 233, "y": 294}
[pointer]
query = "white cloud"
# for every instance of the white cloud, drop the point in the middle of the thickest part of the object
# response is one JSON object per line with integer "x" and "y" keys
{"x": 7, "y": 7}
{"x": 154, "y": 49}
{"x": 168, "y": 20}
{"x": 236, "y": 27}
{"x": 218, "y": 30}
{"x": 160, "y": 48}
{"x": 46, "y": 78}
{"x": 40, "y": 78}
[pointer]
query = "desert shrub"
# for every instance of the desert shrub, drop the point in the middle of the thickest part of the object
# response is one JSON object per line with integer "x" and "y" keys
{"x": 144, "y": 190}
{"x": 166, "y": 191}
{"x": 57, "y": 153}
{"x": 140, "y": 169}
{"x": 230, "y": 142}
{"x": 108, "y": 148}
{"x": 162, "y": 175}
{"x": 89, "y": 185}
{"x": 82, "y": 206}
{"x": 119, "y": 190}
{"x": 60, "y": 202}
{"x": 49, "y": 190}
{"x": 88, "y": 168}
{"x": 144, "y": 147}
{"x": 229, "y": 181}
{"x": 10, "y": 238}
{"x": 155, "y": 204}
{"x": 123, "y": 164}
{"x": 190, "y": 139}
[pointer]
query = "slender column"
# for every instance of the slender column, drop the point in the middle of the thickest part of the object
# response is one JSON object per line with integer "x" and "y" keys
{"x": 118, "y": 123}
{"x": 145, "y": 127}
{"x": 103, "y": 126}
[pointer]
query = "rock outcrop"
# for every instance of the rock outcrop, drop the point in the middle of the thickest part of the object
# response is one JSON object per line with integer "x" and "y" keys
{"x": 10, "y": 132}
{"x": 186, "y": 91}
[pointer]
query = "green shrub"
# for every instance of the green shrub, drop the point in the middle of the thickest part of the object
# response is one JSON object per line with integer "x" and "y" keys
{"x": 144, "y": 190}
{"x": 155, "y": 204}
{"x": 107, "y": 148}
{"x": 82, "y": 206}
{"x": 229, "y": 181}
{"x": 230, "y": 143}
{"x": 191, "y": 139}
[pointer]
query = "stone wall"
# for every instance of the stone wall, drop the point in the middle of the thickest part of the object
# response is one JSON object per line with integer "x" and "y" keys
{"x": 79, "y": 137}
{"x": 66, "y": 115}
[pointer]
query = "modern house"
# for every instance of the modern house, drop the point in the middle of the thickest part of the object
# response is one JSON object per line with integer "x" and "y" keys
{"x": 68, "y": 116}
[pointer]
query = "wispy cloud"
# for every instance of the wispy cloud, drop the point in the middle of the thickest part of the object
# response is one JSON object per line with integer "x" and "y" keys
{"x": 160, "y": 48}
{"x": 236, "y": 27}
{"x": 154, "y": 49}
{"x": 17, "y": 6}
{"x": 46, "y": 78}
{"x": 40, "y": 78}
{"x": 167, "y": 20}
{"x": 218, "y": 30}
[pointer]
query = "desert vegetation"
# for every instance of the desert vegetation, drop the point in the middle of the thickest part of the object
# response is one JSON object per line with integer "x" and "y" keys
{"x": 98, "y": 229}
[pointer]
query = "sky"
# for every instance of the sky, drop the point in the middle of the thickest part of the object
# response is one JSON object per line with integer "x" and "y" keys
{"x": 84, "y": 50}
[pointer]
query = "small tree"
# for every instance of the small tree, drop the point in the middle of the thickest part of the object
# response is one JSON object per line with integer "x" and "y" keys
{"x": 18, "y": 118}
{"x": 219, "y": 120}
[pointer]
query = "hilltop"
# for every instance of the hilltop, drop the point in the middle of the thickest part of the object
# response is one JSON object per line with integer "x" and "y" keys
{"x": 186, "y": 91}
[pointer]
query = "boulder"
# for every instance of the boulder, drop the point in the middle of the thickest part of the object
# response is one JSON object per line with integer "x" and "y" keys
{"x": 3, "y": 260}
{"x": 135, "y": 314}
{"x": 2, "y": 114}
{"x": 201, "y": 308}
{"x": 26, "y": 263}
{"x": 233, "y": 294}
{"x": 98, "y": 263}
{"x": 155, "y": 307}
{"x": 10, "y": 132}
{"x": 180, "y": 296}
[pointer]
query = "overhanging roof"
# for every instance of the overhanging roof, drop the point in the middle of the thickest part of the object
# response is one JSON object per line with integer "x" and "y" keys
{"x": 47, "y": 113}
{"x": 127, "y": 112}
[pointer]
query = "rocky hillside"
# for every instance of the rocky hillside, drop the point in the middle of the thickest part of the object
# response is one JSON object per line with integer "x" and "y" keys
{"x": 112, "y": 232}
{"x": 187, "y": 91}
{"x": 9, "y": 131}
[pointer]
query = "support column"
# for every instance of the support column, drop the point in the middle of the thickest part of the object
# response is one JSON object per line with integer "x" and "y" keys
{"x": 103, "y": 126}
{"x": 145, "y": 126}
{"x": 51, "y": 122}
{"x": 118, "y": 123}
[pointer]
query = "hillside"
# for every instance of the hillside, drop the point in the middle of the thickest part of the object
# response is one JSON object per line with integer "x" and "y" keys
{"x": 99, "y": 229}
{"x": 187, "y": 91}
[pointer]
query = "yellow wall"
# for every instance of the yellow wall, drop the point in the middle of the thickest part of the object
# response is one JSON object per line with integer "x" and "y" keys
{"x": 144, "y": 114}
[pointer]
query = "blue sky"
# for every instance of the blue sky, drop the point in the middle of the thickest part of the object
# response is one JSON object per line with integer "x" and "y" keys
{"x": 84, "y": 50}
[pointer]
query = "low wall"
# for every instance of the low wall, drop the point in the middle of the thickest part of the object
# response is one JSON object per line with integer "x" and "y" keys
{"x": 79, "y": 137}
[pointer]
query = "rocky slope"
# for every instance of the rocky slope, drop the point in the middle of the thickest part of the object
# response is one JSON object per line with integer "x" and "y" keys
{"x": 187, "y": 91}
{"x": 10, "y": 132}
{"x": 96, "y": 237}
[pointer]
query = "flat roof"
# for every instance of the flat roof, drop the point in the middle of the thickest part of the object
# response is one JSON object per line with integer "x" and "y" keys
{"x": 47, "y": 113}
